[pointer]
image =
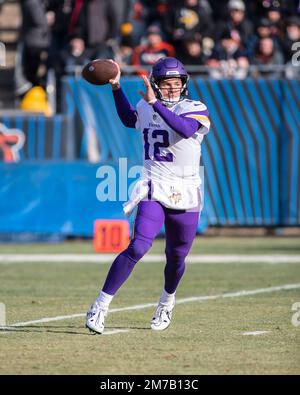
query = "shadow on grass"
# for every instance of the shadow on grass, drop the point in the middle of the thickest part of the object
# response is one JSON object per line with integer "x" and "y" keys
{"x": 67, "y": 329}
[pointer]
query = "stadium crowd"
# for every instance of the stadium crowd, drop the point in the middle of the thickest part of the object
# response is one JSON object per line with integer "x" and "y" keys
{"x": 219, "y": 38}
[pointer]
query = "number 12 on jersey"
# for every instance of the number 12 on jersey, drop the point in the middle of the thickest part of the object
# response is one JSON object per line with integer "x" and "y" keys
{"x": 160, "y": 139}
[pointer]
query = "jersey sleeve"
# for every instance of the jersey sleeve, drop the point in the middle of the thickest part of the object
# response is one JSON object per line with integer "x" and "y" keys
{"x": 126, "y": 112}
{"x": 140, "y": 114}
{"x": 198, "y": 111}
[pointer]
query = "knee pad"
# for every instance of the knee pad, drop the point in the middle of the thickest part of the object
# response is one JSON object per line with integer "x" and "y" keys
{"x": 137, "y": 249}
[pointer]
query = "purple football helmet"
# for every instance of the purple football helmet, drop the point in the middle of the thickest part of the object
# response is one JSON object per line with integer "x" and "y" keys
{"x": 168, "y": 68}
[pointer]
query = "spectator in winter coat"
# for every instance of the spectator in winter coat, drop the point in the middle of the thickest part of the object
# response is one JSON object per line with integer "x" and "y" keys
{"x": 186, "y": 18}
{"x": 33, "y": 48}
{"x": 229, "y": 58}
{"x": 152, "y": 50}
{"x": 236, "y": 21}
{"x": 267, "y": 56}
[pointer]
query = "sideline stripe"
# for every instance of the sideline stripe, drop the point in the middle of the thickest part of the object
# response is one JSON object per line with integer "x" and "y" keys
{"x": 179, "y": 301}
{"x": 108, "y": 258}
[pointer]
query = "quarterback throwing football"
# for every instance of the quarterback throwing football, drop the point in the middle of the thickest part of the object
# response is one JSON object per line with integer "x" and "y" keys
{"x": 169, "y": 192}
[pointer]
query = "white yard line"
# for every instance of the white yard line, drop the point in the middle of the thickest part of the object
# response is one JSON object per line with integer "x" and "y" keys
{"x": 255, "y": 333}
{"x": 108, "y": 258}
{"x": 178, "y": 301}
{"x": 115, "y": 331}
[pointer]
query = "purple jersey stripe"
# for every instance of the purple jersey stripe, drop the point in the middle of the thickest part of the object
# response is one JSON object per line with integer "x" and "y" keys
{"x": 150, "y": 190}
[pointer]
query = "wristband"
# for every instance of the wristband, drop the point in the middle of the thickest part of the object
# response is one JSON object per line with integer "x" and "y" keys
{"x": 152, "y": 101}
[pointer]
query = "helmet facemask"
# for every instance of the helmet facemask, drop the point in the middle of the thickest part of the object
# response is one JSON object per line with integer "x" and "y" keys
{"x": 169, "y": 103}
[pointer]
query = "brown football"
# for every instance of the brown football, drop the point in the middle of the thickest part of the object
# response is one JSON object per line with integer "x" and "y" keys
{"x": 99, "y": 71}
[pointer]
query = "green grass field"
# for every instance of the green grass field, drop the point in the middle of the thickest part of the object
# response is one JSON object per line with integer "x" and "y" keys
{"x": 206, "y": 335}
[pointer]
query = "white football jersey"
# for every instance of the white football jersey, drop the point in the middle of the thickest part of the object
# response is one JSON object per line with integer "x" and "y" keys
{"x": 171, "y": 162}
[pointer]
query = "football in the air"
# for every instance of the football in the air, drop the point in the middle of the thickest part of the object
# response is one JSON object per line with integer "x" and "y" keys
{"x": 99, "y": 71}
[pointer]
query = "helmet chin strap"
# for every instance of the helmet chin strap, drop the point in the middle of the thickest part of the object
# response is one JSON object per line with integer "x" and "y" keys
{"x": 171, "y": 102}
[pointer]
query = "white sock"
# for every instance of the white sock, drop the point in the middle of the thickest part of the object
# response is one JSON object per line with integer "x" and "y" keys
{"x": 167, "y": 299}
{"x": 104, "y": 300}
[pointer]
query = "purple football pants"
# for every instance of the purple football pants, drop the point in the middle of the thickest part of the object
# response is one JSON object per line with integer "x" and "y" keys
{"x": 180, "y": 226}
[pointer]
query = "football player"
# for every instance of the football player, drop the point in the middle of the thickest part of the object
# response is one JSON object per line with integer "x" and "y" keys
{"x": 169, "y": 192}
